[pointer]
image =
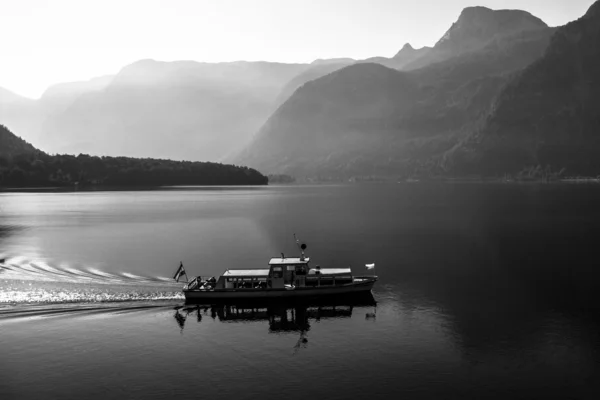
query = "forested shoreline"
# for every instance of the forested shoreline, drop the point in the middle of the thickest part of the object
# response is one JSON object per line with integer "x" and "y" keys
{"x": 22, "y": 166}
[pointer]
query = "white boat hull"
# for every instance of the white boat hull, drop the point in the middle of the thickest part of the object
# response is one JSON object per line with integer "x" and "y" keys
{"x": 360, "y": 285}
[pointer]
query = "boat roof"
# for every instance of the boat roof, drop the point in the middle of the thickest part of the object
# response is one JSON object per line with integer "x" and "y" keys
{"x": 246, "y": 272}
{"x": 330, "y": 271}
{"x": 288, "y": 260}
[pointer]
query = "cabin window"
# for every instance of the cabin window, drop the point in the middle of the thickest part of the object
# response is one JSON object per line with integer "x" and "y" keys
{"x": 277, "y": 272}
{"x": 291, "y": 268}
{"x": 301, "y": 270}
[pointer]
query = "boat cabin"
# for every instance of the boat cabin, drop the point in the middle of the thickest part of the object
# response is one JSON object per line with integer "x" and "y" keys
{"x": 243, "y": 279}
{"x": 284, "y": 272}
{"x": 287, "y": 272}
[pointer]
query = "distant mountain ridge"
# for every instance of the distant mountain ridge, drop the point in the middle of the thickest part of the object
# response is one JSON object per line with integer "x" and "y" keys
{"x": 404, "y": 57}
{"x": 178, "y": 110}
{"x": 73, "y": 89}
{"x": 409, "y": 52}
{"x": 474, "y": 29}
{"x": 321, "y": 68}
{"x": 499, "y": 91}
{"x": 347, "y": 123}
{"x": 8, "y": 97}
{"x": 308, "y": 128}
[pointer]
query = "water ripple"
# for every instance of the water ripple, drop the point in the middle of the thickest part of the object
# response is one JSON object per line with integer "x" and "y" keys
{"x": 37, "y": 281}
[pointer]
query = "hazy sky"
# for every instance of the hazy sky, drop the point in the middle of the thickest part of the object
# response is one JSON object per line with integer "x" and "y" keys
{"x": 49, "y": 41}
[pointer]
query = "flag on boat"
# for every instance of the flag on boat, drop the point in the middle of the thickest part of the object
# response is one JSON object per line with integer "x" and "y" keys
{"x": 370, "y": 266}
{"x": 180, "y": 271}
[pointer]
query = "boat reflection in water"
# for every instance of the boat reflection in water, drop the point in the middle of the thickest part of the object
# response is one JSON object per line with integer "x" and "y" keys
{"x": 282, "y": 316}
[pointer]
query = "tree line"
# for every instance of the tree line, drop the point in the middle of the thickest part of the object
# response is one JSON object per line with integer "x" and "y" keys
{"x": 34, "y": 168}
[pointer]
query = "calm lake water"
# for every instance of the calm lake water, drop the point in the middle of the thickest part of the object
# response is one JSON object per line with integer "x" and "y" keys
{"x": 485, "y": 291}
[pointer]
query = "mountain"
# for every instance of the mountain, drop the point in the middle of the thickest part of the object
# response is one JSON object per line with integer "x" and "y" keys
{"x": 319, "y": 68}
{"x": 7, "y": 97}
{"x": 405, "y": 56}
{"x": 315, "y": 71}
{"x": 549, "y": 113}
{"x": 367, "y": 119}
{"x": 408, "y": 54}
{"x": 12, "y": 145}
{"x": 305, "y": 132}
{"x": 28, "y": 116}
{"x": 475, "y": 28}
{"x": 179, "y": 110}
{"x": 459, "y": 90}
{"x": 19, "y": 113}
{"x": 326, "y": 61}
{"x": 58, "y": 97}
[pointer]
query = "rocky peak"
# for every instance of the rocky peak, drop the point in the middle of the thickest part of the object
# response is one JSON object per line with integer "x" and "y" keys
{"x": 409, "y": 53}
{"x": 478, "y": 25}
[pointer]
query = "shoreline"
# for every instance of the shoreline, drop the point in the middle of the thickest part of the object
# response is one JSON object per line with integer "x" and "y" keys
{"x": 135, "y": 188}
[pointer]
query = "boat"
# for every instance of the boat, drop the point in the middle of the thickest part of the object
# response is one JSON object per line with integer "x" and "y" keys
{"x": 284, "y": 277}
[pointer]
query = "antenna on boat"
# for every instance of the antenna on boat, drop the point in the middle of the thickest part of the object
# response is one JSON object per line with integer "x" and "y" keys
{"x": 302, "y": 247}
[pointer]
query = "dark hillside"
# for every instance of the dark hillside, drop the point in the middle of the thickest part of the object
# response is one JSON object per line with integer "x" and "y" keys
{"x": 549, "y": 114}
{"x": 22, "y": 165}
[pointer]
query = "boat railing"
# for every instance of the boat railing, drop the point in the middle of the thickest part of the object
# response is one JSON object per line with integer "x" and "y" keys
{"x": 198, "y": 281}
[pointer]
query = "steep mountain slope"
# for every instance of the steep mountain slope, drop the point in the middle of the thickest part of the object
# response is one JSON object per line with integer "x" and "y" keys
{"x": 459, "y": 90}
{"x": 320, "y": 68}
{"x": 319, "y": 131}
{"x": 180, "y": 110}
{"x": 548, "y": 115}
{"x": 12, "y": 145}
{"x": 307, "y": 130}
{"x": 474, "y": 29}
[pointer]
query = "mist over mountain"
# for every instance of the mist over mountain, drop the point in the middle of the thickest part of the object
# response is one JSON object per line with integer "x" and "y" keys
{"x": 367, "y": 119}
{"x": 325, "y": 61}
{"x": 58, "y": 97}
{"x": 315, "y": 71}
{"x": 548, "y": 115}
{"x": 179, "y": 110}
{"x": 446, "y": 109}
{"x": 29, "y": 116}
{"x": 404, "y": 57}
{"x": 20, "y": 113}
{"x": 330, "y": 116}
{"x": 7, "y": 97}
{"x": 319, "y": 68}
